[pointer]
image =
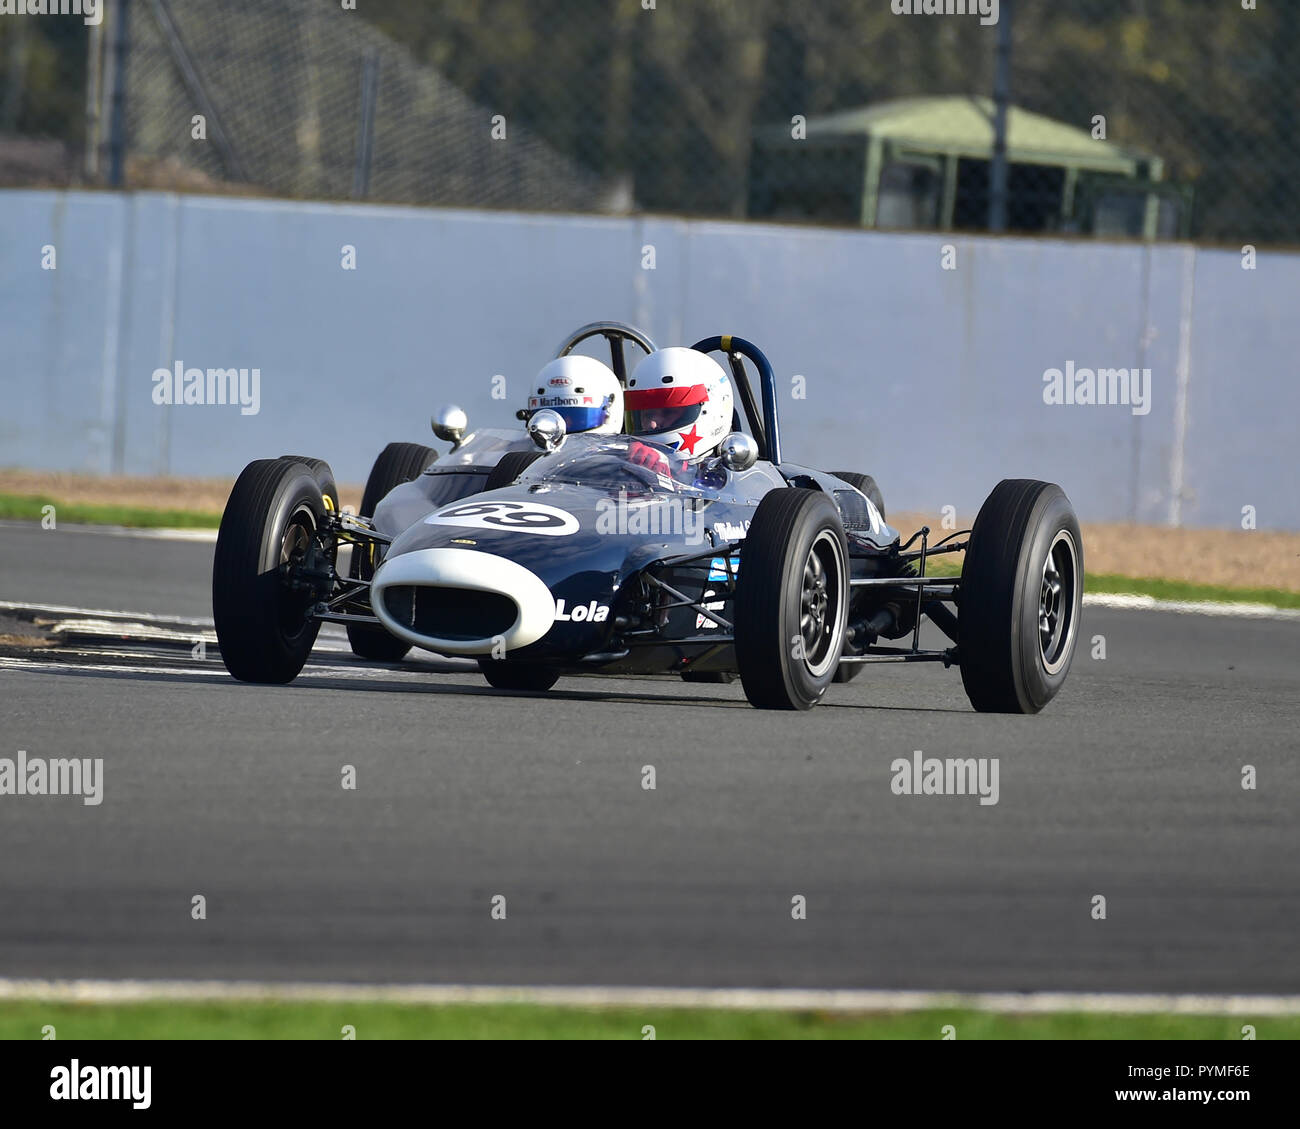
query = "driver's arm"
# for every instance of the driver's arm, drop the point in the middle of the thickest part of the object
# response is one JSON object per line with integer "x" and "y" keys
{"x": 643, "y": 454}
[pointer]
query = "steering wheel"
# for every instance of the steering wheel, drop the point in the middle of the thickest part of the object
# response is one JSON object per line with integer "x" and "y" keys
{"x": 614, "y": 332}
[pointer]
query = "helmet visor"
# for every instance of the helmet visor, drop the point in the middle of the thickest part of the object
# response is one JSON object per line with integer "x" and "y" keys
{"x": 651, "y": 411}
{"x": 583, "y": 419}
{"x": 577, "y": 417}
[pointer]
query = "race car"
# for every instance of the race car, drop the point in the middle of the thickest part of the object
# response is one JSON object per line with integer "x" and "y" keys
{"x": 471, "y": 464}
{"x": 583, "y": 555}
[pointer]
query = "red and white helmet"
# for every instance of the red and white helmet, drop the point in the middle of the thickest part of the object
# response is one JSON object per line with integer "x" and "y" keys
{"x": 682, "y": 399}
{"x": 585, "y": 392}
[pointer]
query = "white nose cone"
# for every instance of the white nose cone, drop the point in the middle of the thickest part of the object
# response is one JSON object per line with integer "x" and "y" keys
{"x": 427, "y": 598}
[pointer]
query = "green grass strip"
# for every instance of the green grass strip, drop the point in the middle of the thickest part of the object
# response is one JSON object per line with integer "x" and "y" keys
{"x": 25, "y": 1020}
{"x": 1185, "y": 590}
{"x": 31, "y": 507}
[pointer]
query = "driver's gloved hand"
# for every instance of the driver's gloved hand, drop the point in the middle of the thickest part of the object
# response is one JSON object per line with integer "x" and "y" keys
{"x": 644, "y": 455}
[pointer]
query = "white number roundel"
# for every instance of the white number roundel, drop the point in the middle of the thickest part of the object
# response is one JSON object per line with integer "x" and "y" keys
{"x": 520, "y": 517}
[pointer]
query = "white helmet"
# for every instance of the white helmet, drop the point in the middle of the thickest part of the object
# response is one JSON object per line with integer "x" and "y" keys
{"x": 681, "y": 398}
{"x": 584, "y": 391}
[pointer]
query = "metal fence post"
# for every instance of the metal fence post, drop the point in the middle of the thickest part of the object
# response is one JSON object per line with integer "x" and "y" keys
{"x": 1001, "y": 104}
{"x": 117, "y": 112}
{"x": 366, "y": 126}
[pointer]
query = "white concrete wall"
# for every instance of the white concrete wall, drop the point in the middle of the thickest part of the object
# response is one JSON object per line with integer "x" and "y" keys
{"x": 929, "y": 379}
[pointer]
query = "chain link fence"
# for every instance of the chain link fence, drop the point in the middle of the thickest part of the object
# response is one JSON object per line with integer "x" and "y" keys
{"x": 1111, "y": 118}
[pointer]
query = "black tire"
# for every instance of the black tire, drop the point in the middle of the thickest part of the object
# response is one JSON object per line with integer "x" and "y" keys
{"x": 1009, "y": 663}
{"x": 866, "y": 484}
{"x": 397, "y": 463}
{"x": 262, "y": 627}
{"x": 324, "y": 476}
{"x": 511, "y": 466}
{"x": 787, "y": 658}
{"x": 517, "y": 676}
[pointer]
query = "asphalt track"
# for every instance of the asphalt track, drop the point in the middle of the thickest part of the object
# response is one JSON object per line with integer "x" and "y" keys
{"x": 1128, "y": 786}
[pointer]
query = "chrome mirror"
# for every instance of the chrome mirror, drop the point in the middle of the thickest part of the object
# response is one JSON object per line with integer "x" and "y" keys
{"x": 449, "y": 424}
{"x": 738, "y": 451}
{"x": 546, "y": 429}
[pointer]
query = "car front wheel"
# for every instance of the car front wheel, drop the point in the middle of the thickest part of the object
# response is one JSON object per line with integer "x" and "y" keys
{"x": 792, "y": 600}
{"x": 1021, "y": 597}
{"x": 267, "y": 530}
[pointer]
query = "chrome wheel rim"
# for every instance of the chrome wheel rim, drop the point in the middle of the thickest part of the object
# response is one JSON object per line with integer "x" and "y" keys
{"x": 821, "y": 604}
{"x": 1056, "y": 602}
{"x": 294, "y": 544}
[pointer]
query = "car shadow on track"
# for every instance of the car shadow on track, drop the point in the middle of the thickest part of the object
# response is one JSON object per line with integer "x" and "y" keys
{"x": 315, "y": 680}
{"x": 452, "y": 667}
{"x": 318, "y": 675}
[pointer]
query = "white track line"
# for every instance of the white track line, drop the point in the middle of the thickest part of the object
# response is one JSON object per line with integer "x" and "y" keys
{"x": 332, "y": 639}
{"x": 203, "y": 536}
{"x": 1189, "y": 607}
{"x": 130, "y": 664}
{"x": 49, "y": 666}
{"x": 101, "y": 613}
{"x": 199, "y": 536}
{"x": 777, "y": 999}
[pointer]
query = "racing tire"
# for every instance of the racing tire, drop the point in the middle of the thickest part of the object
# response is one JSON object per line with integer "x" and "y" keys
{"x": 321, "y": 469}
{"x": 511, "y": 466}
{"x": 517, "y": 676}
{"x": 397, "y": 463}
{"x": 792, "y": 600}
{"x": 262, "y": 627}
{"x": 1021, "y": 597}
{"x": 866, "y": 484}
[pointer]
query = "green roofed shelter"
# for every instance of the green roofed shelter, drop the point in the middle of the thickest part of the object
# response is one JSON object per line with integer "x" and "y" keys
{"x": 924, "y": 163}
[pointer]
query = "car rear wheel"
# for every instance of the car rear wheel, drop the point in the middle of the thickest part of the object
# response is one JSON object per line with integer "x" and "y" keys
{"x": 511, "y": 466}
{"x": 267, "y": 529}
{"x": 324, "y": 477}
{"x": 792, "y": 600}
{"x": 866, "y": 484}
{"x": 397, "y": 463}
{"x": 505, "y": 675}
{"x": 1021, "y": 598}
